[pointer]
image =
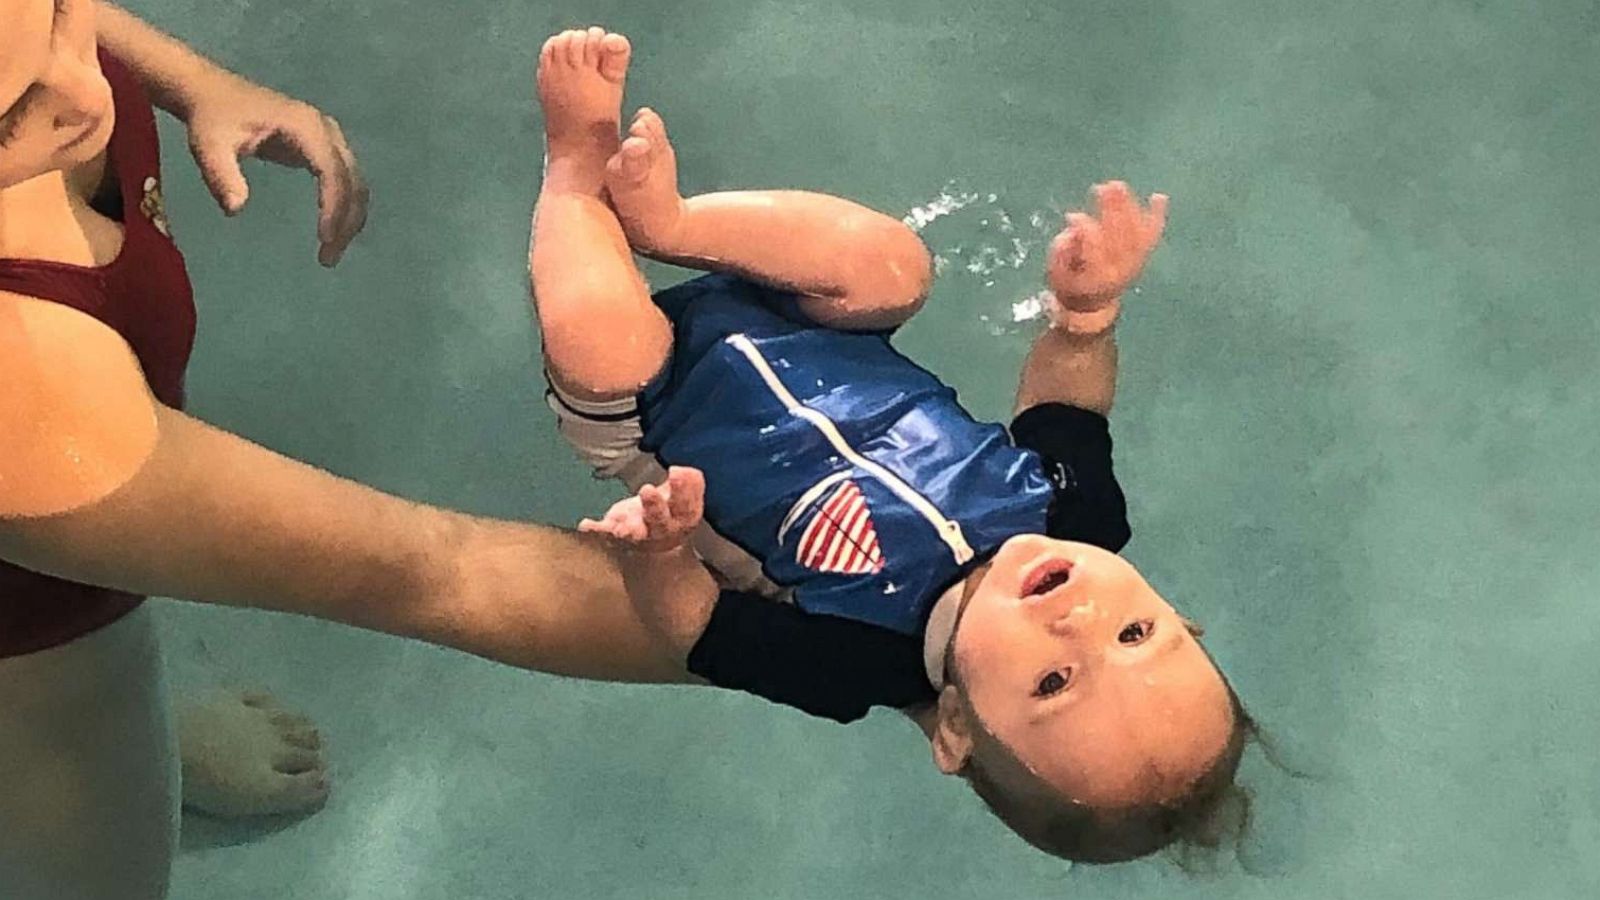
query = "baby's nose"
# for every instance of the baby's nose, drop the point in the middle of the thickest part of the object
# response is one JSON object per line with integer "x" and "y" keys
{"x": 1074, "y": 618}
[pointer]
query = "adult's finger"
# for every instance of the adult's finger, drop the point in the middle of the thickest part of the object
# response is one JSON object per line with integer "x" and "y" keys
{"x": 352, "y": 217}
{"x": 312, "y": 141}
{"x": 218, "y": 159}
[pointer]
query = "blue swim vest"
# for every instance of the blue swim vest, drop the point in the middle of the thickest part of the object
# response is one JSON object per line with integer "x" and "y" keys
{"x": 850, "y": 472}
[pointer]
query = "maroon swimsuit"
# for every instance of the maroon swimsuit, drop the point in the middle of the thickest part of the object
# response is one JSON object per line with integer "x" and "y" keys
{"x": 143, "y": 294}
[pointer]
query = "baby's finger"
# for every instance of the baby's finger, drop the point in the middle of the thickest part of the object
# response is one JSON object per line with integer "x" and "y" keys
{"x": 1088, "y": 236}
{"x": 616, "y": 514}
{"x": 1155, "y": 221}
{"x": 1114, "y": 198}
{"x": 1082, "y": 223}
{"x": 613, "y": 526}
{"x": 1118, "y": 211}
{"x": 1071, "y": 249}
{"x": 686, "y": 501}
{"x": 657, "y": 517}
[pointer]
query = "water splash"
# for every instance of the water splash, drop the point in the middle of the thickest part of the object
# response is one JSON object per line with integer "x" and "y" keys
{"x": 995, "y": 244}
{"x": 1030, "y": 308}
{"x": 943, "y": 205}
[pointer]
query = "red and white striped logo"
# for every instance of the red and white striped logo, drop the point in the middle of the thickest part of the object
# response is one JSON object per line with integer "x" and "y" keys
{"x": 840, "y": 537}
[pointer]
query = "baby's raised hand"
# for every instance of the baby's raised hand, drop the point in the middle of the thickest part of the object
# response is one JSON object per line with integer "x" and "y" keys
{"x": 659, "y": 518}
{"x": 1096, "y": 258}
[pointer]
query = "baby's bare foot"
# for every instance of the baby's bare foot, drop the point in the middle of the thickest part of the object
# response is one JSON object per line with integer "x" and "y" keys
{"x": 244, "y": 755}
{"x": 642, "y": 181}
{"x": 581, "y": 75}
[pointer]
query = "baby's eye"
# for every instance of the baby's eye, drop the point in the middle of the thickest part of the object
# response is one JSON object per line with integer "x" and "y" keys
{"x": 1052, "y": 683}
{"x": 1136, "y": 632}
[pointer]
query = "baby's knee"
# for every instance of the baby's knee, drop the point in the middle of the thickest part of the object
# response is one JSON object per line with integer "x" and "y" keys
{"x": 605, "y": 367}
{"x": 911, "y": 265}
{"x": 892, "y": 279}
{"x": 608, "y": 353}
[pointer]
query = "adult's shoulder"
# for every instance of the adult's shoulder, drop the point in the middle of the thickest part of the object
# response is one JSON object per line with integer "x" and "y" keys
{"x": 77, "y": 419}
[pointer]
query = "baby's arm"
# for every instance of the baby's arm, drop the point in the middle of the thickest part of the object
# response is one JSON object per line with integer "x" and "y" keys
{"x": 1092, "y": 262}
{"x": 1076, "y": 369}
{"x": 671, "y": 589}
{"x": 673, "y": 594}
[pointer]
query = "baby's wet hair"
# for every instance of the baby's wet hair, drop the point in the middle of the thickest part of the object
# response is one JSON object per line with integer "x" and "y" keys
{"x": 1209, "y": 814}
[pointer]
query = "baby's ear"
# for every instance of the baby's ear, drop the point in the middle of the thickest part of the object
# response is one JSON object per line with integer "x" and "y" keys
{"x": 952, "y": 733}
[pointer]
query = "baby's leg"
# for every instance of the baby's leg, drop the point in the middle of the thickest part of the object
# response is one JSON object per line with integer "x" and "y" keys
{"x": 603, "y": 337}
{"x": 853, "y": 267}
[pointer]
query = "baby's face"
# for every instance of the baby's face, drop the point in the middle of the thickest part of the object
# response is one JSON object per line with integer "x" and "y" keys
{"x": 1070, "y": 658}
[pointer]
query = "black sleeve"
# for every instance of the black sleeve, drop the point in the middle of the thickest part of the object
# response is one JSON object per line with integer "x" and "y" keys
{"x": 828, "y": 666}
{"x": 1076, "y": 446}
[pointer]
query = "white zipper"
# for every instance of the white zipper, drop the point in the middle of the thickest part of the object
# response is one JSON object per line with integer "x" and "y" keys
{"x": 948, "y": 529}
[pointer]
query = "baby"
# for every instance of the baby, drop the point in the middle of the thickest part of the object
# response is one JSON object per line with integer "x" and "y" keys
{"x": 819, "y": 522}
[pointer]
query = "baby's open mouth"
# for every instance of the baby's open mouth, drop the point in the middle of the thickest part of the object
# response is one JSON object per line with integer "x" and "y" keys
{"x": 1046, "y": 577}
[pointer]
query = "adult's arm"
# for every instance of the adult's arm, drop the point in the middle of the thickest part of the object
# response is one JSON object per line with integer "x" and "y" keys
{"x": 160, "y": 503}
